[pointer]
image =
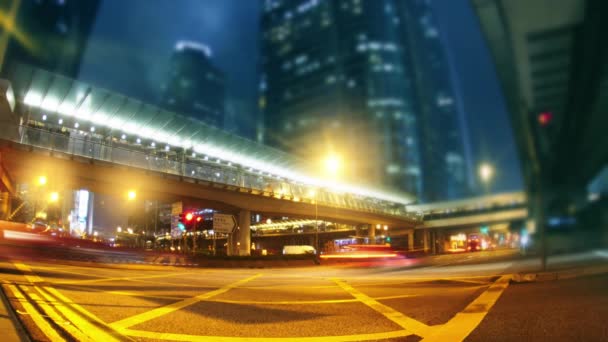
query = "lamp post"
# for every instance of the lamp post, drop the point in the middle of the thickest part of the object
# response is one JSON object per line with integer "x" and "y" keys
{"x": 313, "y": 194}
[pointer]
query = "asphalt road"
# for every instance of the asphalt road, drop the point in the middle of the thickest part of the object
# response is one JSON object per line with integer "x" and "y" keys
{"x": 448, "y": 298}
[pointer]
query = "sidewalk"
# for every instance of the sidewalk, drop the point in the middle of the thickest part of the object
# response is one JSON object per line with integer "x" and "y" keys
{"x": 566, "y": 273}
{"x": 10, "y": 327}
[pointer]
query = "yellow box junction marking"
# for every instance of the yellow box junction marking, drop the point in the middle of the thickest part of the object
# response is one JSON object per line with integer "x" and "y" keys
{"x": 69, "y": 310}
{"x": 40, "y": 322}
{"x": 461, "y": 325}
{"x": 155, "y": 313}
{"x": 55, "y": 316}
{"x": 402, "y": 320}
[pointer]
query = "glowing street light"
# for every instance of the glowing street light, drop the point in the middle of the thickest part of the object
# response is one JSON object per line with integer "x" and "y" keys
{"x": 312, "y": 193}
{"x": 54, "y": 196}
{"x": 333, "y": 165}
{"x": 131, "y": 195}
{"x": 486, "y": 172}
{"x": 42, "y": 180}
{"x": 119, "y": 229}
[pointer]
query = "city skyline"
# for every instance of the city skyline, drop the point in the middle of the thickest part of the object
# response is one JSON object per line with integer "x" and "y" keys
{"x": 490, "y": 134}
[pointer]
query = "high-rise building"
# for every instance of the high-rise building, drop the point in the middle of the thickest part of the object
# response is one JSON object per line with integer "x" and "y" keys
{"x": 195, "y": 87}
{"x": 47, "y": 34}
{"x": 443, "y": 162}
{"x": 367, "y": 80}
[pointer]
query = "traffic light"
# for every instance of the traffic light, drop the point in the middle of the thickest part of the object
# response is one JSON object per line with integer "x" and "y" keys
{"x": 189, "y": 217}
{"x": 545, "y": 118}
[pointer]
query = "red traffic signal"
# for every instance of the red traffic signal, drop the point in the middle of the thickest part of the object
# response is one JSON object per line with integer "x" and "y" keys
{"x": 189, "y": 217}
{"x": 545, "y": 118}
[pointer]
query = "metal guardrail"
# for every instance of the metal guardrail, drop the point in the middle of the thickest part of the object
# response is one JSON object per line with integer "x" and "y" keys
{"x": 85, "y": 145}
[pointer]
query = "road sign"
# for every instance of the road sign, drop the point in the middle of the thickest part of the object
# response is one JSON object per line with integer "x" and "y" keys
{"x": 223, "y": 223}
{"x": 177, "y": 208}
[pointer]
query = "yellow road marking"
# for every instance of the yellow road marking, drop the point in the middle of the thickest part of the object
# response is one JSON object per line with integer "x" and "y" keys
{"x": 61, "y": 270}
{"x": 54, "y": 315}
{"x": 199, "y": 338}
{"x": 402, "y": 320}
{"x": 301, "y": 302}
{"x": 88, "y": 328}
{"x": 32, "y": 278}
{"x": 40, "y": 322}
{"x": 136, "y": 294}
{"x": 88, "y": 281}
{"x": 461, "y": 325}
{"x": 146, "y": 316}
{"x": 68, "y": 308}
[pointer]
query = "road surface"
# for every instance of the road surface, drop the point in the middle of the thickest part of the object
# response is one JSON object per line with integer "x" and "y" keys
{"x": 452, "y": 298}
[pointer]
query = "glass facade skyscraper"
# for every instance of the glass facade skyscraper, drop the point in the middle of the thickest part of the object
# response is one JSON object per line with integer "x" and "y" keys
{"x": 366, "y": 80}
{"x": 47, "y": 34}
{"x": 195, "y": 87}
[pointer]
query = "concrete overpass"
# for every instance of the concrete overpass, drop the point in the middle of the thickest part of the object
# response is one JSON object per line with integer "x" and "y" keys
{"x": 496, "y": 208}
{"x": 84, "y": 137}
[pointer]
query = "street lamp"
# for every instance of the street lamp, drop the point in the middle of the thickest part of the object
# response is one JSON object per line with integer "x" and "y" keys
{"x": 333, "y": 165}
{"x": 42, "y": 180}
{"x": 54, "y": 197}
{"x": 486, "y": 172}
{"x": 131, "y": 195}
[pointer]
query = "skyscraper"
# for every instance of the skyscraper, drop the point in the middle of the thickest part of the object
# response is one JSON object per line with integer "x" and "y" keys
{"x": 350, "y": 77}
{"x": 442, "y": 153}
{"x": 195, "y": 87}
{"x": 47, "y": 34}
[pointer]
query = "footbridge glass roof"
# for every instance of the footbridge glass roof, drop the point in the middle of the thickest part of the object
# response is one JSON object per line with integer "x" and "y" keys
{"x": 70, "y": 98}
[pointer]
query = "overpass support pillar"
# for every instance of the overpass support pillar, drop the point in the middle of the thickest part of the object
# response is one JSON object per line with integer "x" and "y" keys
{"x": 244, "y": 233}
{"x": 410, "y": 240}
{"x": 5, "y": 205}
{"x": 371, "y": 234}
{"x": 426, "y": 237}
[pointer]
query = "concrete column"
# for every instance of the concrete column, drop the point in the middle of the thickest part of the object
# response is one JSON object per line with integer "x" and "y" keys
{"x": 410, "y": 240}
{"x": 426, "y": 240}
{"x": 371, "y": 234}
{"x": 244, "y": 235}
{"x": 5, "y": 205}
{"x": 230, "y": 243}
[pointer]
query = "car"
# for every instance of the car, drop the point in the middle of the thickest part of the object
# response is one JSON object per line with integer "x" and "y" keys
{"x": 299, "y": 250}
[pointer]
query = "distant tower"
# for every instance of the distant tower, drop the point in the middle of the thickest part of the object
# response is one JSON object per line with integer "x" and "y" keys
{"x": 368, "y": 79}
{"x": 47, "y": 34}
{"x": 194, "y": 86}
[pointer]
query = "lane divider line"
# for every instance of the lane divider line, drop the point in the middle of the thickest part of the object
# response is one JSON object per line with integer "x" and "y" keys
{"x": 68, "y": 309}
{"x": 200, "y": 338}
{"x": 302, "y": 302}
{"x": 55, "y": 316}
{"x": 163, "y": 310}
{"x": 464, "y": 322}
{"x": 89, "y": 329}
{"x": 407, "y": 323}
{"x": 40, "y": 322}
{"x": 88, "y": 281}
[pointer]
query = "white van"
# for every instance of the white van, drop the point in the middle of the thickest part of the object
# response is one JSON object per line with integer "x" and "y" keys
{"x": 300, "y": 249}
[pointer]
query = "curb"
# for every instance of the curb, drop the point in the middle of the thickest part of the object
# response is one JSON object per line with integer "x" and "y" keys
{"x": 525, "y": 277}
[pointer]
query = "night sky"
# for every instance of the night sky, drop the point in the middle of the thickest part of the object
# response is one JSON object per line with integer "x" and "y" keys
{"x": 132, "y": 41}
